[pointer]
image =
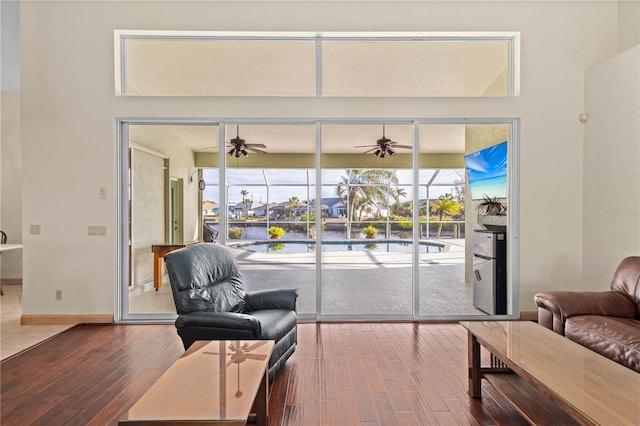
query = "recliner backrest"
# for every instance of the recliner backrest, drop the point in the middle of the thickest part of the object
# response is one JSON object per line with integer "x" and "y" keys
{"x": 205, "y": 277}
{"x": 626, "y": 279}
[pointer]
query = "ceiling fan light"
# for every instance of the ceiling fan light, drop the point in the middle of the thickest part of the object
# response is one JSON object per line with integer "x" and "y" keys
{"x": 231, "y": 151}
{"x": 244, "y": 152}
{"x": 390, "y": 151}
{"x": 377, "y": 152}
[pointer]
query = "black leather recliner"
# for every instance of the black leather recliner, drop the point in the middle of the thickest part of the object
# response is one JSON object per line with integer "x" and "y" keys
{"x": 212, "y": 305}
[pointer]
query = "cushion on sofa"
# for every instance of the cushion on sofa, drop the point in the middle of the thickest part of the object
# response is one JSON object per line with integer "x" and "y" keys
{"x": 616, "y": 338}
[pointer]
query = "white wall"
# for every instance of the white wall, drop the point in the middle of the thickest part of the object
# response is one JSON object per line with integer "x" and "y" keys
{"x": 181, "y": 165}
{"x": 629, "y": 24}
{"x": 68, "y": 108}
{"x": 611, "y": 171}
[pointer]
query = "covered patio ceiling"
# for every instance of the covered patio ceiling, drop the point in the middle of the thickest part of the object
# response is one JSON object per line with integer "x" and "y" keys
{"x": 300, "y": 139}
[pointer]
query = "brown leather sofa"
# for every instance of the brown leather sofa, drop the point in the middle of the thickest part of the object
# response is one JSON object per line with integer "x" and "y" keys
{"x": 606, "y": 322}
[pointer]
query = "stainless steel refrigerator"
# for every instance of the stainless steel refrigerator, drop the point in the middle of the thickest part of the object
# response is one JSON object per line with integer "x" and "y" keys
{"x": 490, "y": 271}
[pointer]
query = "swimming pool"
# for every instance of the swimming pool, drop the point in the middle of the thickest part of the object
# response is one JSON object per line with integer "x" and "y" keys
{"x": 382, "y": 246}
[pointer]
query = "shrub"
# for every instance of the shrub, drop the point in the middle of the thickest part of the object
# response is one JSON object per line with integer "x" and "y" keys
{"x": 404, "y": 224}
{"x": 235, "y": 233}
{"x": 312, "y": 221}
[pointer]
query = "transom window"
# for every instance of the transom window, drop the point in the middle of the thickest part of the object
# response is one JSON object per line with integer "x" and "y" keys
{"x": 154, "y": 63}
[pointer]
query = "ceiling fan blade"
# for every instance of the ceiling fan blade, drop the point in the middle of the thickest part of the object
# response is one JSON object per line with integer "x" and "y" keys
{"x": 259, "y": 151}
{"x": 256, "y": 145}
{"x": 256, "y": 345}
{"x": 403, "y": 146}
{"x": 256, "y": 356}
{"x": 370, "y": 150}
{"x": 363, "y": 146}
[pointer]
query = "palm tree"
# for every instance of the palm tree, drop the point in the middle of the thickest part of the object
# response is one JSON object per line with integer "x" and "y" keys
{"x": 361, "y": 189}
{"x": 293, "y": 203}
{"x": 445, "y": 204}
{"x": 245, "y": 202}
{"x": 397, "y": 192}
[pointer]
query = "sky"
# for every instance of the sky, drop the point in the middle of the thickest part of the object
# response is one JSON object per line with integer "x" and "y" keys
{"x": 285, "y": 184}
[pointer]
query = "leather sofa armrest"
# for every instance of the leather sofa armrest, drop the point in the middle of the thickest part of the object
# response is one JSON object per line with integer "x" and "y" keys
{"x": 219, "y": 320}
{"x": 271, "y": 299}
{"x": 554, "y": 307}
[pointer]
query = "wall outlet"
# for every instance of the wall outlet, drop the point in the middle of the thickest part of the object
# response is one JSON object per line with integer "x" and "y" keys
{"x": 97, "y": 231}
{"x": 58, "y": 294}
{"x": 34, "y": 229}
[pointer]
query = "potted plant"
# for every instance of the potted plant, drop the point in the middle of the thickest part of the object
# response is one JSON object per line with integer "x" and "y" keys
{"x": 370, "y": 231}
{"x": 491, "y": 207}
{"x": 235, "y": 233}
{"x": 275, "y": 232}
{"x": 492, "y": 214}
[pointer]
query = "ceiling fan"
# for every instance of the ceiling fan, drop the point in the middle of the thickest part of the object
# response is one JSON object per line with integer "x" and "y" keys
{"x": 239, "y": 354}
{"x": 383, "y": 146}
{"x": 240, "y": 147}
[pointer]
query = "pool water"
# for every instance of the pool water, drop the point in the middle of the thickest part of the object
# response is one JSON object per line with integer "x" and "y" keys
{"x": 388, "y": 246}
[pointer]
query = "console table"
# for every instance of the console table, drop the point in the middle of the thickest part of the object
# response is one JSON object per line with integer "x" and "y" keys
{"x": 550, "y": 379}
{"x": 7, "y": 247}
{"x": 159, "y": 252}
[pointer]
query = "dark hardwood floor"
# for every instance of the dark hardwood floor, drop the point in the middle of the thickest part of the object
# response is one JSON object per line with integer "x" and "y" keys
{"x": 341, "y": 374}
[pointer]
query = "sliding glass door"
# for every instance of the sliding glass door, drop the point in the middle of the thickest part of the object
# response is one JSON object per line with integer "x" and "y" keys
{"x": 370, "y": 220}
{"x": 366, "y": 258}
{"x": 160, "y": 209}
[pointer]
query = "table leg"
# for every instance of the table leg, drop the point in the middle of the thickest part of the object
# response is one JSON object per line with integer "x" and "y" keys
{"x": 475, "y": 375}
{"x": 262, "y": 401}
{"x": 157, "y": 270}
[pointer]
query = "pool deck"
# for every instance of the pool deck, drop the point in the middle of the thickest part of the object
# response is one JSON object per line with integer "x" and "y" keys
{"x": 362, "y": 282}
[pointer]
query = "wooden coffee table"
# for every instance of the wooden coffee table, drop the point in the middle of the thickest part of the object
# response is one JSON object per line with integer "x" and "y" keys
{"x": 556, "y": 381}
{"x": 205, "y": 387}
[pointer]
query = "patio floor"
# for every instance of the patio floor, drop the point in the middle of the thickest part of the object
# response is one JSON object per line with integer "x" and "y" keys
{"x": 354, "y": 282}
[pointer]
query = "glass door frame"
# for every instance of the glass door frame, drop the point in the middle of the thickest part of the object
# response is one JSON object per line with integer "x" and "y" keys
{"x": 122, "y": 210}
